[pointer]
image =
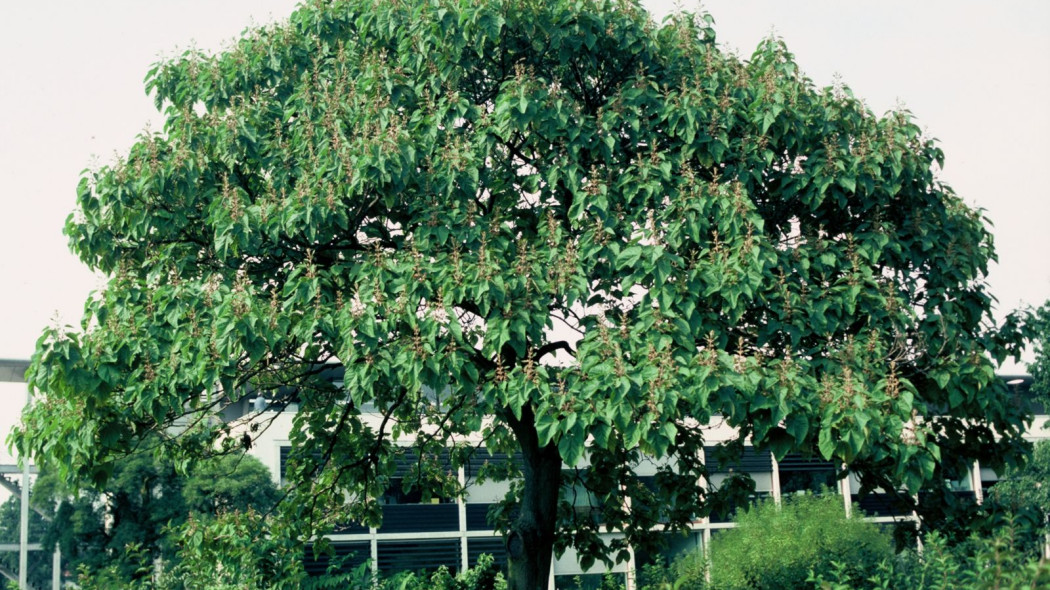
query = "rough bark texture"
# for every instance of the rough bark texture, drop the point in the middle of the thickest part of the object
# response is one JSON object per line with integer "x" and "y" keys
{"x": 530, "y": 543}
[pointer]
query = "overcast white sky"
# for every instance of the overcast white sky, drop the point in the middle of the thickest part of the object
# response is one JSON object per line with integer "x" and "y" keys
{"x": 976, "y": 74}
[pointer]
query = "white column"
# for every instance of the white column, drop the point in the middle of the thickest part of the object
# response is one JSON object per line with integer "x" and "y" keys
{"x": 374, "y": 549}
{"x": 23, "y": 534}
{"x": 461, "y": 507}
{"x": 706, "y": 548}
{"x": 775, "y": 478}
{"x": 629, "y": 576}
{"x": 847, "y": 493}
{"x": 975, "y": 482}
{"x": 1046, "y": 538}
{"x": 56, "y": 569}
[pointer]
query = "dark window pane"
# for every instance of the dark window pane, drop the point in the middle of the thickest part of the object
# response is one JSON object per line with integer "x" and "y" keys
{"x": 728, "y": 516}
{"x": 481, "y": 456}
{"x": 419, "y": 518}
{"x": 426, "y": 556}
{"x": 347, "y": 557}
{"x": 750, "y": 461}
{"x": 805, "y": 474}
{"x": 492, "y": 546}
{"x": 876, "y": 504}
{"x": 477, "y": 517}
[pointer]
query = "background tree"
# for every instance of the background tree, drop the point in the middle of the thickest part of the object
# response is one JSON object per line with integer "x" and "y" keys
{"x": 39, "y": 575}
{"x": 1025, "y": 494}
{"x": 555, "y": 224}
{"x": 1040, "y": 367}
{"x": 141, "y": 506}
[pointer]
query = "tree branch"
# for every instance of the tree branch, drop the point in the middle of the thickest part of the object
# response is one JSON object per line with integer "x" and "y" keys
{"x": 552, "y": 347}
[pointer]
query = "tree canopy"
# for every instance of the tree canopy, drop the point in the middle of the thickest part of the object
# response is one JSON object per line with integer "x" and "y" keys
{"x": 558, "y": 225}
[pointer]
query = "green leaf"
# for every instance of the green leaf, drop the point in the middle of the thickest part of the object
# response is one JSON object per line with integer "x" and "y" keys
{"x": 797, "y": 425}
{"x": 767, "y": 120}
{"x": 570, "y": 445}
{"x": 826, "y": 444}
{"x": 628, "y": 257}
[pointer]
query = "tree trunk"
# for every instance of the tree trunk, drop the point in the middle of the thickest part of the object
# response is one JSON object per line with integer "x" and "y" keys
{"x": 530, "y": 543}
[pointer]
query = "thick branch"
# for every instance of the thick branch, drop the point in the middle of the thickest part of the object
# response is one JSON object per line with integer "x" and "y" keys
{"x": 552, "y": 347}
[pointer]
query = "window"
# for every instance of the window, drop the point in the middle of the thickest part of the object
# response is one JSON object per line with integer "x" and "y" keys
{"x": 347, "y": 557}
{"x": 418, "y": 555}
{"x": 405, "y": 511}
{"x": 803, "y": 474}
{"x": 752, "y": 463}
{"x": 481, "y": 497}
{"x": 491, "y": 545}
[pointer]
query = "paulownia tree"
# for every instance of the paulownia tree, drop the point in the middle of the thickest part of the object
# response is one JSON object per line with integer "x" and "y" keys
{"x": 579, "y": 234}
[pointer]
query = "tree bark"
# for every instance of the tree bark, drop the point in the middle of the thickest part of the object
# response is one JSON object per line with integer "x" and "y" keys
{"x": 530, "y": 542}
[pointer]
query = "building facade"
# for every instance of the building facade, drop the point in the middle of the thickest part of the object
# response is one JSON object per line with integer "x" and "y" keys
{"x": 453, "y": 532}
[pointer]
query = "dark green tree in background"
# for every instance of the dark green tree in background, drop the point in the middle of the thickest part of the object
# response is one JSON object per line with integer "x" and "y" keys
{"x": 39, "y": 575}
{"x": 556, "y": 224}
{"x": 1040, "y": 366}
{"x": 1024, "y": 493}
{"x": 138, "y": 508}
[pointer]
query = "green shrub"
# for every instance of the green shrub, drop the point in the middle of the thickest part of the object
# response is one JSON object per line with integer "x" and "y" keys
{"x": 776, "y": 548}
{"x": 687, "y": 572}
{"x": 997, "y": 564}
{"x": 809, "y": 543}
{"x": 485, "y": 575}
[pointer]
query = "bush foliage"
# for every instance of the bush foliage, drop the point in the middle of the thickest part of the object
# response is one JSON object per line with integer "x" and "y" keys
{"x": 775, "y": 547}
{"x": 809, "y": 543}
{"x": 996, "y": 563}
